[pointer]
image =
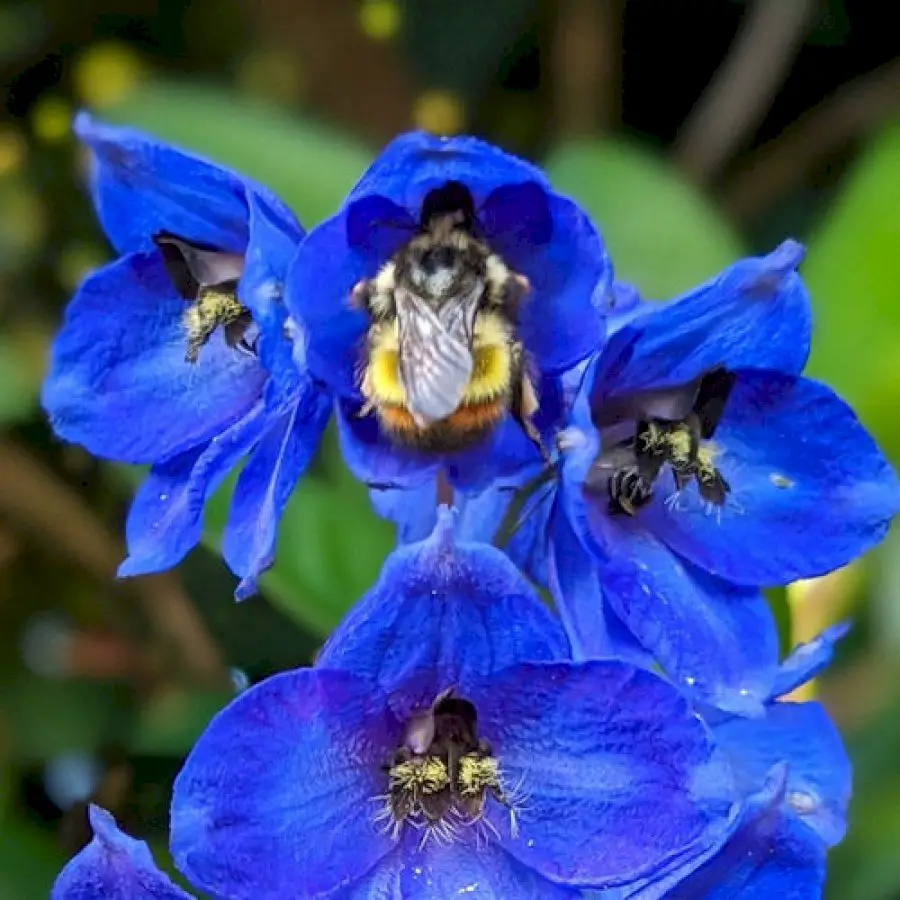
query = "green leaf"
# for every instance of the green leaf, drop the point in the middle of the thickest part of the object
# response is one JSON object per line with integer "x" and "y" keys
{"x": 853, "y": 271}
{"x": 19, "y": 383}
{"x": 28, "y": 861}
{"x": 663, "y": 235}
{"x": 171, "y": 721}
{"x": 310, "y": 166}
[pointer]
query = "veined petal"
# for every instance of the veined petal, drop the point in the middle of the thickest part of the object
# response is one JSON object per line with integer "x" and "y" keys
{"x": 275, "y": 799}
{"x": 810, "y": 490}
{"x": 119, "y": 361}
{"x": 460, "y": 868}
{"x": 442, "y": 612}
{"x": 166, "y": 517}
{"x": 818, "y": 775}
{"x": 143, "y": 186}
{"x": 756, "y": 313}
{"x": 599, "y": 749}
{"x": 717, "y": 641}
{"x": 113, "y": 866}
{"x": 265, "y": 484}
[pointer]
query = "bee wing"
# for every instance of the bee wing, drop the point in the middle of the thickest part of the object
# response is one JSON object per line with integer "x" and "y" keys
{"x": 435, "y": 353}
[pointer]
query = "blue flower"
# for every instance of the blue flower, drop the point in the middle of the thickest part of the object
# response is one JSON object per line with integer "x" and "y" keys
{"x": 497, "y": 284}
{"x": 113, "y": 866}
{"x": 445, "y": 746}
{"x": 175, "y": 354}
{"x": 699, "y": 466}
{"x": 793, "y": 767}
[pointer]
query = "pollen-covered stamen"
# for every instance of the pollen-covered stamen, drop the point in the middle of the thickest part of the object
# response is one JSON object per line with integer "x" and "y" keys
{"x": 446, "y": 782}
{"x": 672, "y": 428}
{"x": 208, "y": 279}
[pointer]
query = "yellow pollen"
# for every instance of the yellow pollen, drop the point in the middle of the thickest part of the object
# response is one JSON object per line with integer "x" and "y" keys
{"x": 423, "y": 776}
{"x": 477, "y": 773}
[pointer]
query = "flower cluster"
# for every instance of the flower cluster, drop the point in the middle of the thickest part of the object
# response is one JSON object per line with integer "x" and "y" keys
{"x": 528, "y": 422}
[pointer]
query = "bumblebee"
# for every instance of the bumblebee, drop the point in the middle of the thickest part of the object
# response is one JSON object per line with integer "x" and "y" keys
{"x": 207, "y": 279}
{"x": 443, "y": 363}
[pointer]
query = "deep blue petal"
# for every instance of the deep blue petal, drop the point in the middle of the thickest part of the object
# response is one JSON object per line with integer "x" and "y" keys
{"x": 143, "y": 186}
{"x": 275, "y": 799}
{"x": 374, "y": 459}
{"x": 808, "y": 660}
{"x": 756, "y": 313}
{"x": 561, "y": 321}
{"x": 113, "y": 866}
{"x": 166, "y": 517}
{"x": 415, "y": 163}
{"x": 717, "y": 641}
{"x": 810, "y": 490}
{"x": 119, "y": 383}
{"x": 265, "y": 484}
{"x": 593, "y": 628}
{"x": 442, "y": 612}
{"x": 802, "y": 735}
{"x": 771, "y": 855}
{"x": 461, "y": 868}
{"x": 619, "y": 775}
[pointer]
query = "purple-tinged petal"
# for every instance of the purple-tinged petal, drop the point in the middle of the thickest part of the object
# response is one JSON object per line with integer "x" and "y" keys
{"x": 113, "y": 866}
{"x": 818, "y": 775}
{"x": 808, "y": 660}
{"x": 143, "y": 186}
{"x": 810, "y": 490}
{"x": 460, "y": 868}
{"x": 756, "y": 313}
{"x": 442, "y": 612}
{"x": 265, "y": 484}
{"x": 717, "y": 641}
{"x": 275, "y": 799}
{"x": 599, "y": 750}
{"x": 166, "y": 517}
{"x": 119, "y": 383}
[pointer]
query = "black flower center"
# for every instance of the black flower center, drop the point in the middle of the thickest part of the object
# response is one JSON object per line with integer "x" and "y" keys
{"x": 443, "y": 773}
{"x": 671, "y": 429}
{"x": 207, "y": 279}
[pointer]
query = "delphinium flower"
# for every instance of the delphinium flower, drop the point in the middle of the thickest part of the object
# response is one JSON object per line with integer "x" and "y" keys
{"x": 175, "y": 355}
{"x": 443, "y": 744}
{"x": 792, "y": 768}
{"x": 439, "y": 303}
{"x": 700, "y": 465}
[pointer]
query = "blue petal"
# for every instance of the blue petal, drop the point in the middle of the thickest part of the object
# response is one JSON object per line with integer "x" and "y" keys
{"x": 438, "y": 871}
{"x": 166, "y": 518}
{"x": 808, "y": 660}
{"x": 802, "y": 735}
{"x": 716, "y": 640}
{"x": 620, "y": 776}
{"x": 275, "y": 799}
{"x": 413, "y": 510}
{"x": 143, "y": 186}
{"x": 770, "y": 856}
{"x": 810, "y": 490}
{"x": 561, "y": 321}
{"x": 756, "y": 313}
{"x": 415, "y": 163}
{"x": 113, "y": 866}
{"x": 440, "y": 612}
{"x": 265, "y": 484}
{"x": 118, "y": 363}
{"x": 593, "y": 629}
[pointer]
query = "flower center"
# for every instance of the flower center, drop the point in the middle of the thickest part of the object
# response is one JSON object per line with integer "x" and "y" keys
{"x": 442, "y": 775}
{"x": 671, "y": 429}
{"x": 207, "y": 279}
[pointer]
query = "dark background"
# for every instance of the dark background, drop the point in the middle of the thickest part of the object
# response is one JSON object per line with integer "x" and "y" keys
{"x": 693, "y": 130}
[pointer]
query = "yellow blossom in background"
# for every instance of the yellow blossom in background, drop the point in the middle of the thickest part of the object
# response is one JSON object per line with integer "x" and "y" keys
{"x": 440, "y": 112}
{"x": 380, "y": 19}
{"x": 106, "y": 73}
